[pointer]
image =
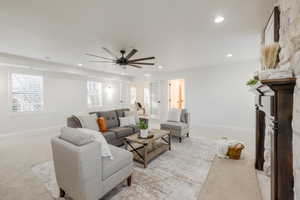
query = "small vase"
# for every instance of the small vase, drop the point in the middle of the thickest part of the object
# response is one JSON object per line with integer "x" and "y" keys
{"x": 144, "y": 133}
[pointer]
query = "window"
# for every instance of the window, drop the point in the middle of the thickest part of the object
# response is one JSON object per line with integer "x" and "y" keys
{"x": 27, "y": 93}
{"x": 94, "y": 91}
{"x": 132, "y": 95}
{"x": 146, "y": 96}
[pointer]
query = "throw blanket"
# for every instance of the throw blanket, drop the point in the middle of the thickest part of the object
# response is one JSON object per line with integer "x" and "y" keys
{"x": 223, "y": 146}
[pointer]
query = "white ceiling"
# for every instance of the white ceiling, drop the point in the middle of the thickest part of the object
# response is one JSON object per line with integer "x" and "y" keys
{"x": 179, "y": 33}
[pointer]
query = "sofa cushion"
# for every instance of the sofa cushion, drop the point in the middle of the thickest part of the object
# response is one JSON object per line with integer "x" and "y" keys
{"x": 121, "y": 112}
{"x": 122, "y": 131}
{"x": 109, "y": 136}
{"x": 174, "y": 126}
{"x": 76, "y": 137}
{"x": 122, "y": 158}
{"x": 135, "y": 128}
{"x": 127, "y": 121}
{"x": 110, "y": 117}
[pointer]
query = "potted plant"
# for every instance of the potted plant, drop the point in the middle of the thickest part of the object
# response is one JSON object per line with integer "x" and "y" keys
{"x": 144, "y": 129}
{"x": 252, "y": 82}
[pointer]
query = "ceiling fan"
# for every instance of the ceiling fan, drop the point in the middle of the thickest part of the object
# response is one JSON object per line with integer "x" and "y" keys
{"x": 123, "y": 60}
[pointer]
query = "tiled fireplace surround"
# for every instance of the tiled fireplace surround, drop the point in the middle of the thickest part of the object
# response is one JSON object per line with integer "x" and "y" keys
{"x": 290, "y": 58}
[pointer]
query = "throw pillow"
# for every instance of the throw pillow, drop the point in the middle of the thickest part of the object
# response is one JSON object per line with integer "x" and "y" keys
{"x": 102, "y": 124}
{"x": 133, "y": 113}
{"x": 127, "y": 121}
{"x": 75, "y": 137}
{"x": 105, "y": 150}
{"x": 174, "y": 115}
{"x": 76, "y": 121}
{"x": 89, "y": 122}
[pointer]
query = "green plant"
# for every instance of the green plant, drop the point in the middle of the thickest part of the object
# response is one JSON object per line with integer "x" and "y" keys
{"x": 143, "y": 125}
{"x": 252, "y": 82}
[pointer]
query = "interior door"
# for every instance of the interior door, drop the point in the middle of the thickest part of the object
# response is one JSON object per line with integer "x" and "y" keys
{"x": 155, "y": 100}
{"x": 176, "y": 94}
{"x": 124, "y": 94}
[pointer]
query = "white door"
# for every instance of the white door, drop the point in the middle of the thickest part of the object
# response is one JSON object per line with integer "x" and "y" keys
{"x": 124, "y": 94}
{"x": 155, "y": 100}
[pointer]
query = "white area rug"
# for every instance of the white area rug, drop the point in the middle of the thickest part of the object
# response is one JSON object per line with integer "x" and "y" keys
{"x": 175, "y": 175}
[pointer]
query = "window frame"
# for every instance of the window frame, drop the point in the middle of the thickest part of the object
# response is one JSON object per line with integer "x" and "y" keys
{"x": 131, "y": 94}
{"x": 10, "y": 92}
{"x": 100, "y": 97}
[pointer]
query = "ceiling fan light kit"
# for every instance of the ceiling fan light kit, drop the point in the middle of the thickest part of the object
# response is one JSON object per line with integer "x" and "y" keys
{"x": 124, "y": 60}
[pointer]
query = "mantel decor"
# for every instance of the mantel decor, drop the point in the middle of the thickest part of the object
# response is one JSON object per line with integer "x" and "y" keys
{"x": 272, "y": 28}
{"x": 274, "y": 149}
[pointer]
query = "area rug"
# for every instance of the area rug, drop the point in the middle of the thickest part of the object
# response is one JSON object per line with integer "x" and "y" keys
{"x": 175, "y": 175}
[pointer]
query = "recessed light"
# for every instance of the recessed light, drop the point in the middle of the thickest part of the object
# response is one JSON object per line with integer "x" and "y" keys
{"x": 80, "y": 65}
{"x": 147, "y": 75}
{"x": 229, "y": 55}
{"x": 219, "y": 19}
{"x": 160, "y": 67}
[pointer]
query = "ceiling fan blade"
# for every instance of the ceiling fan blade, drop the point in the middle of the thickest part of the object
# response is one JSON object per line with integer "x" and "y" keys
{"x": 131, "y": 53}
{"x": 141, "y": 63}
{"x": 93, "y": 55}
{"x": 140, "y": 59}
{"x": 100, "y": 61}
{"x": 109, "y": 52}
{"x": 136, "y": 66}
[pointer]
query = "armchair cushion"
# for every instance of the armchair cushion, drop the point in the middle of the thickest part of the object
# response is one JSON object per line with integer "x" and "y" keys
{"x": 174, "y": 115}
{"x": 174, "y": 125}
{"x": 76, "y": 137}
{"x": 122, "y": 158}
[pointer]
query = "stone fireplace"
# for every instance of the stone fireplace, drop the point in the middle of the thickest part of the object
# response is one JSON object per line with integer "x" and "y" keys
{"x": 290, "y": 58}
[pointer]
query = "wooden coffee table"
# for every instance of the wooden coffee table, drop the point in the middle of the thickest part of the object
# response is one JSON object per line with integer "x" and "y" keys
{"x": 145, "y": 150}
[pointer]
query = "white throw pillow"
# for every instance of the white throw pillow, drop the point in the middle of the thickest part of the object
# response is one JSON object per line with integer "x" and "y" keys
{"x": 89, "y": 122}
{"x": 174, "y": 115}
{"x": 133, "y": 113}
{"x": 105, "y": 150}
{"x": 127, "y": 121}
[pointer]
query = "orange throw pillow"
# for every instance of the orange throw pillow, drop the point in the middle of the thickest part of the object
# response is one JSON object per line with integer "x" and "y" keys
{"x": 102, "y": 124}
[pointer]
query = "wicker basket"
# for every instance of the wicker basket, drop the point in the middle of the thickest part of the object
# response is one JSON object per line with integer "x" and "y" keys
{"x": 235, "y": 151}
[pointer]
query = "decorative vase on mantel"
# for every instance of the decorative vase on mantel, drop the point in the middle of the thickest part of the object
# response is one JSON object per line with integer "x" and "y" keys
{"x": 270, "y": 62}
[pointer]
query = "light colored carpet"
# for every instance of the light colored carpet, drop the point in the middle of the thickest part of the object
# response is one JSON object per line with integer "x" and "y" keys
{"x": 175, "y": 175}
{"x": 231, "y": 180}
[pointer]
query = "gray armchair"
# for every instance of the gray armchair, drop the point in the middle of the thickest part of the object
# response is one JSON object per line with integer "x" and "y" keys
{"x": 83, "y": 174}
{"x": 178, "y": 129}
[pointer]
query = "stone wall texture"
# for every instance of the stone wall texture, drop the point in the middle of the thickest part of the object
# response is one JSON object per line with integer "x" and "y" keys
{"x": 290, "y": 58}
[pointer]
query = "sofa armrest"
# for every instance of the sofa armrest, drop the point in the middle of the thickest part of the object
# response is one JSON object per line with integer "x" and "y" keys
{"x": 78, "y": 169}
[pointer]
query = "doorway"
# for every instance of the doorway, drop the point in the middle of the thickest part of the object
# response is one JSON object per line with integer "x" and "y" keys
{"x": 155, "y": 100}
{"x": 176, "y": 90}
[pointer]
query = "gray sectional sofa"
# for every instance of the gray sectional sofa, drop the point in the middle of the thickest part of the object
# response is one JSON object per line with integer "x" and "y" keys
{"x": 115, "y": 134}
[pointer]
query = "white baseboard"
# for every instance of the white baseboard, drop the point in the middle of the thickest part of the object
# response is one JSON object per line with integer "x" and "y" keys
{"x": 215, "y": 126}
{"x": 33, "y": 132}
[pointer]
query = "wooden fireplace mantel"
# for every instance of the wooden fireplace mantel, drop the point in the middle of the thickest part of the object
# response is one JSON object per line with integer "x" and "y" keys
{"x": 274, "y": 104}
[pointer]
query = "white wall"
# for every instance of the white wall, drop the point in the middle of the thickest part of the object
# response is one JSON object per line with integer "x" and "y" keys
{"x": 217, "y": 96}
{"x": 64, "y": 94}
